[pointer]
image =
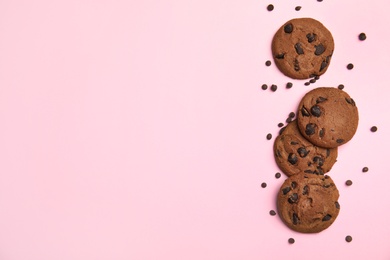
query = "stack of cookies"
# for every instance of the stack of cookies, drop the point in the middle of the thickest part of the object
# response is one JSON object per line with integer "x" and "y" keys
{"x": 307, "y": 148}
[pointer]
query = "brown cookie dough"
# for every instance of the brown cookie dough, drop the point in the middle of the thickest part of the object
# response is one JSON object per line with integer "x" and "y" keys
{"x": 327, "y": 117}
{"x": 294, "y": 154}
{"x": 308, "y": 203}
{"x": 302, "y": 48}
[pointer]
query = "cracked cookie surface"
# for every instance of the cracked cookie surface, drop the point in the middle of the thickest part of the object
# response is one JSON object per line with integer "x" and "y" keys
{"x": 294, "y": 154}
{"x": 302, "y": 48}
{"x": 327, "y": 117}
{"x": 308, "y": 203}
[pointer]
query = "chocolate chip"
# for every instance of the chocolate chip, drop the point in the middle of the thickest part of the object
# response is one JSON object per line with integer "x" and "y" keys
{"x": 264, "y": 86}
{"x": 302, "y": 152}
{"x": 304, "y": 111}
{"x": 362, "y": 36}
{"x": 293, "y": 185}
{"x": 278, "y": 153}
{"x": 365, "y": 169}
{"x": 350, "y": 101}
{"x": 269, "y": 136}
{"x": 296, "y": 65}
{"x": 281, "y": 130}
{"x": 263, "y": 185}
{"x": 293, "y": 143}
{"x": 291, "y": 240}
{"x": 295, "y": 218}
{"x": 289, "y": 85}
{"x": 288, "y": 28}
{"x": 272, "y": 212}
{"x": 308, "y": 171}
{"x": 312, "y": 81}
{"x": 270, "y": 7}
{"x": 305, "y": 190}
{"x": 339, "y": 141}
{"x": 291, "y": 115}
{"x": 341, "y": 86}
{"x": 317, "y": 77}
{"x": 286, "y": 190}
{"x": 307, "y": 83}
{"x": 280, "y": 125}
{"x": 327, "y": 153}
{"x": 327, "y": 217}
{"x": 318, "y": 160}
{"x": 319, "y": 0}
{"x": 310, "y": 129}
{"x": 322, "y": 132}
{"x": 268, "y": 63}
{"x": 337, "y": 205}
{"x": 274, "y": 87}
{"x": 323, "y": 65}
{"x": 319, "y": 171}
{"x": 311, "y": 37}
{"x": 348, "y": 239}
{"x": 374, "y": 129}
{"x": 277, "y": 175}
{"x": 280, "y": 56}
{"x": 288, "y": 120}
{"x": 320, "y": 100}
{"x": 350, "y": 66}
{"x": 298, "y": 48}
{"x": 293, "y": 198}
{"x": 297, "y": 8}
{"x": 348, "y": 183}
{"x": 315, "y": 111}
{"x": 319, "y": 49}
{"x": 292, "y": 158}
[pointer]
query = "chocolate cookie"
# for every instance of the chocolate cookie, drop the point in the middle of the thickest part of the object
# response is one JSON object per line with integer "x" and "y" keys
{"x": 307, "y": 203}
{"x": 294, "y": 154}
{"x": 302, "y": 48}
{"x": 327, "y": 117}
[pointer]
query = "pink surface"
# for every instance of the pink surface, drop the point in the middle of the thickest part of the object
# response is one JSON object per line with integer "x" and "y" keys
{"x": 136, "y": 130}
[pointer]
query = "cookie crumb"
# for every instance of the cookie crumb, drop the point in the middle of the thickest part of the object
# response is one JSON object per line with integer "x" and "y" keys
{"x": 272, "y": 212}
{"x": 374, "y": 129}
{"x": 362, "y": 36}
{"x": 263, "y": 185}
{"x": 348, "y": 239}
{"x": 270, "y": 7}
{"x": 291, "y": 240}
{"x": 350, "y": 66}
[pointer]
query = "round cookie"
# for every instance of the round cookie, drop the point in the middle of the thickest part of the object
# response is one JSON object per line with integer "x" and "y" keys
{"x": 294, "y": 154}
{"x": 308, "y": 203}
{"x": 302, "y": 48}
{"x": 327, "y": 117}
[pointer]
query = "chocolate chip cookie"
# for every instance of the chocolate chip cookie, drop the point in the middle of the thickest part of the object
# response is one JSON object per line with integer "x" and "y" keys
{"x": 294, "y": 154}
{"x": 308, "y": 203}
{"x": 302, "y": 48}
{"x": 327, "y": 117}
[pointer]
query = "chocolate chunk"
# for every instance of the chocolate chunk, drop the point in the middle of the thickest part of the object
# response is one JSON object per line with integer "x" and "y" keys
{"x": 323, "y": 65}
{"x": 348, "y": 183}
{"x": 274, "y": 87}
{"x": 348, "y": 239}
{"x": 304, "y": 111}
{"x": 293, "y": 185}
{"x": 322, "y": 132}
{"x": 311, "y": 37}
{"x": 289, "y": 85}
{"x": 302, "y": 152}
{"x": 286, "y": 190}
{"x": 299, "y": 49}
{"x": 339, "y": 141}
{"x": 320, "y": 49}
{"x": 374, "y": 129}
{"x": 362, "y": 36}
{"x": 292, "y": 158}
{"x": 318, "y": 160}
{"x": 350, "y": 66}
{"x": 365, "y": 169}
{"x": 305, "y": 190}
{"x": 270, "y": 7}
{"x": 277, "y": 175}
{"x": 327, "y": 217}
{"x": 350, "y": 101}
{"x": 263, "y": 185}
{"x": 327, "y": 153}
{"x": 269, "y": 136}
{"x": 293, "y": 198}
{"x": 310, "y": 129}
{"x": 280, "y": 56}
{"x": 268, "y": 63}
{"x": 288, "y": 28}
{"x": 272, "y": 212}
{"x": 294, "y": 143}
{"x": 315, "y": 111}
{"x": 291, "y": 240}
{"x": 337, "y": 205}
{"x": 296, "y": 65}
{"x": 295, "y": 219}
{"x": 320, "y": 100}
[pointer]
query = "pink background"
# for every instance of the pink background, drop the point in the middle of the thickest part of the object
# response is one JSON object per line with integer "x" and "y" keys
{"x": 136, "y": 130}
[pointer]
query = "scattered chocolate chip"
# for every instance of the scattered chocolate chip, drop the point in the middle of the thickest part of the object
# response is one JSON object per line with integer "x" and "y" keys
{"x": 348, "y": 183}
{"x": 264, "y": 86}
{"x": 322, "y": 132}
{"x": 307, "y": 83}
{"x": 374, "y": 129}
{"x": 297, "y": 8}
{"x": 320, "y": 49}
{"x": 312, "y": 81}
{"x": 305, "y": 190}
{"x": 365, "y": 169}
{"x": 350, "y": 66}
{"x": 270, "y": 7}
{"x": 292, "y": 158}
{"x": 319, "y": 0}
{"x": 277, "y": 175}
{"x": 293, "y": 198}
{"x": 289, "y": 85}
{"x": 302, "y": 152}
{"x": 268, "y": 63}
{"x": 291, "y": 115}
{"x": 337, "y": 205}
{"x": 311, "y": 37}
{"x": 299, "y": 49}
{"x": 339, "y": 141}
{"x": 304, "y": 111}
{"x": 269, "y": 136}
{"x": 272, "y": 212}
{"x": 288, "y": 28}
{"x": 362, "y": 36}
{"x": 274, "y": 87}
{"x": 295, "y": 218}
{"x": 286, "y": 190}
{"x": 348, "y": 239}
{"x": 280, "y": 56}
{"x": 310, "y": 129}
{"x": 327, "y": 217}
{"x": 315, "y": 111}
{"x": 288, "y": 120}
{"x": 291, "y": 240}
{"x": 263, "y": 185}
{"x": 280, "y": 125}
{"x": 316, "y": 77}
